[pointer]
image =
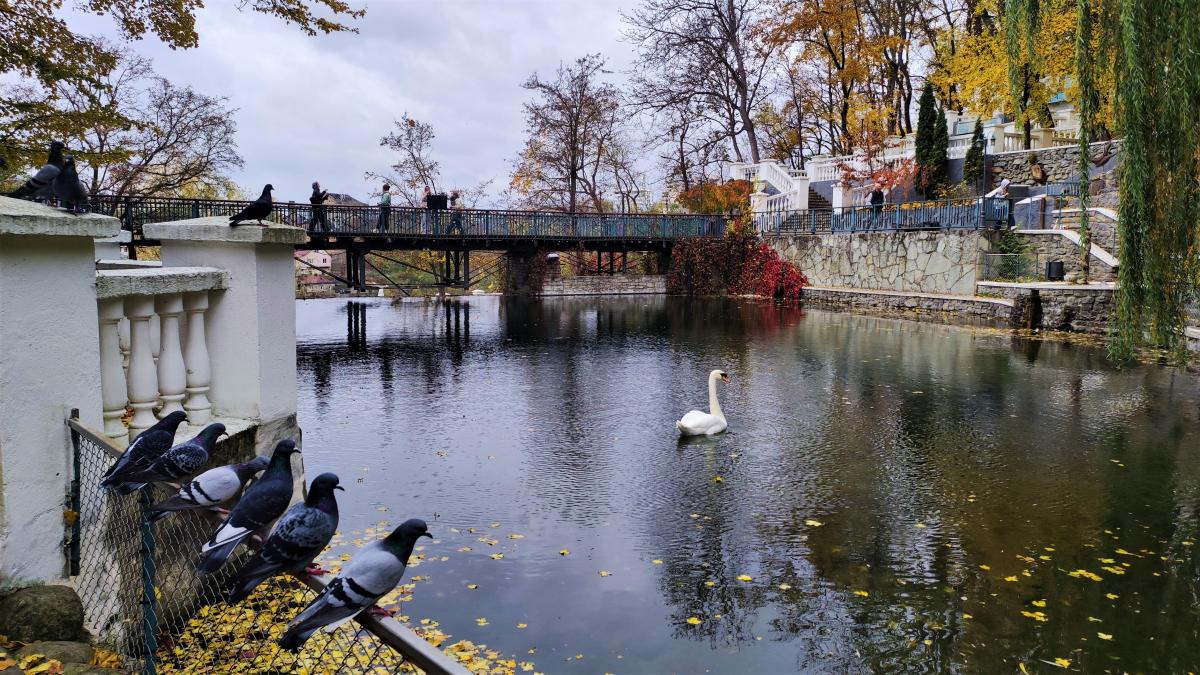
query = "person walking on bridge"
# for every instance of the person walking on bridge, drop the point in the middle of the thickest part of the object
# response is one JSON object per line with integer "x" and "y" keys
{"x": 318, "y": 207}
{"x": 385, "y": 207}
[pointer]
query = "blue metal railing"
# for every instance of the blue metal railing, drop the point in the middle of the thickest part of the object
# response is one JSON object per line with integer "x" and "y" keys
{"x": 397, "y": 221}
{"x": 959, "y": 214}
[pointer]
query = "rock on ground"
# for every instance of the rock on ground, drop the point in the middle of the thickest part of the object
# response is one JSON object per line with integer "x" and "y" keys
{"x": 65, "y": 652}
{"x": 42, "y": 613}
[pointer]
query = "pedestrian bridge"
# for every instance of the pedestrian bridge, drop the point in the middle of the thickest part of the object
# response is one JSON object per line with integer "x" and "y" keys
{"x": 452, "y": 229}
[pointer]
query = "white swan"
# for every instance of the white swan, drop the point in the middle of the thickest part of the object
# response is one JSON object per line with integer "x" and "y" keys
{"x": 699, "y": 423}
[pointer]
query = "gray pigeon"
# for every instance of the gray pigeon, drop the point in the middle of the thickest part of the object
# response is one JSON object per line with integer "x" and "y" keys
{"x": 69, "y": 190}
{"x": 371, "y": 574}
{"x": 40, "y": 186}
{"x": 213, "y": 487}
{"x": 259, "y": 208}
{"x": 147, "y": 447}
{"x": 302, "y": 533}
{"x": 262, "y": 503}
{"x": 180, "y": 461}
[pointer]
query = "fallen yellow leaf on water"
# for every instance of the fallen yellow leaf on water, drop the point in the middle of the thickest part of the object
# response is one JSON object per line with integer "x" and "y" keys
{"x": 481, "y": 621}
{"x": 656, "y": 561}
{"x": 516, "y": 536}
{"x": 522, "y": 626}
{"x": 785, "y": 587}
{"x": 1104, "y": 636}
{"x": 495, "y": 525}
{"x": 718, "y": 479}
{"x": 1061, "y": 662}
{"x": 1113, "y": 569}
{"x": 1187, "y": 543}
{"x": 1023, "y": 670}
{"x": 472, "y": 586}
{"x": 1106, "y": 561}
{"x": 1094, "y": 619}
{"x": 919, "y": 526}
{"x": 1039, "y": 616}
{"x": 564, "y": 552}
{"x": 861, "y": 594}
{"x": 745, "y": 577}
{"x": 813, "y": 523}
{"x": 496, "y": 556}
{"x": 1122, "y": 551}
{"x": 984, "y": 567}
{"x": 1084, "y": 574}
{"x": 710, "y": 584}
{"x": 1010, "y": 578}
{"x": 967, "y": 616}
{"x": 1111, "y": 596}
{"x": 464, "y": 549}
{"x": 693, "y": 620}
{"x": 1038, "y": 603}
{"x": 605, "y": 573}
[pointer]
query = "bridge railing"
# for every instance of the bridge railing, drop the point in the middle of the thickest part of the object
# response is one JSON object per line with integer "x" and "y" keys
{"x": 402, "y": 221}
{"x": 944, "y": 214}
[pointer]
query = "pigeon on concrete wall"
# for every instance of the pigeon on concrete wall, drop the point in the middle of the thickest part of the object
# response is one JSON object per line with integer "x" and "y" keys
{"x": 259, "y": 208}
{"x": 180, "y": 461}
{"x": 40, "y": 186}
{"x": 147, "y": 447}
{"x": 69, "y": 190}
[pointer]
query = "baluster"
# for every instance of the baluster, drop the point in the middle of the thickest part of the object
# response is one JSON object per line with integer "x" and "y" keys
{"x": 142, "y": 379}
{"x": 123, "y": 336}
{"x": 113, "y": 394}
{"x": 155, "y": 336}
{"x": 199, "y": 370}
{"x": 171, "y": 372}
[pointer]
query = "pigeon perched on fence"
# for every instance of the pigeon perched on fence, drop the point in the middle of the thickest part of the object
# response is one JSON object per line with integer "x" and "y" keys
{"x": 180, "y": 461}
{"x": 213, "y": 487}
{"x": 259, "y": 208}
{"x": 302, "y": 533}
{"x": 371, "y": 574}
{"x": 40, "y": 186}
{"x": 69, "y": 190}
{"x": 147, "y": 447}
{"x": 262, "y": 503}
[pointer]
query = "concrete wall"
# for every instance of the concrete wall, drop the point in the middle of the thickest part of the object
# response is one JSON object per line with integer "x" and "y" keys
{"x": 1052, "y": 245}
{"x": 603, "y": 284}
{"x": 943, "y": 261}
{"x": 989, "y": 311}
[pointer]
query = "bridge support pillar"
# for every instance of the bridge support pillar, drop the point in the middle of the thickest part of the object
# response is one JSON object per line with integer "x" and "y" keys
{"x": 517, "y": 266}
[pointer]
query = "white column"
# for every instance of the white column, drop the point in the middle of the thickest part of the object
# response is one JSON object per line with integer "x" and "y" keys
{"x": 199, "y": 370}
{"x": 799, "y": 197}
{"x": 172, "y": 376}
{"x": 842, "y": 195}
{"x": 251, "y": 326}
{"x": 143, "y": 380}
{"x": 112, "y": 375}
{"x": 123, "y": 337}
{"x": 49, "y": 364}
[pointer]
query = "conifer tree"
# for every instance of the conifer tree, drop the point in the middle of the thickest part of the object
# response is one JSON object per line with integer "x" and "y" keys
{"x": 975, "y": 165}
{"x": 927, "y": 116}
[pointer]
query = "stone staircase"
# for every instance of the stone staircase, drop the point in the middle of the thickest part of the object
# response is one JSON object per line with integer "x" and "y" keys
{"x": 816, "y": 202}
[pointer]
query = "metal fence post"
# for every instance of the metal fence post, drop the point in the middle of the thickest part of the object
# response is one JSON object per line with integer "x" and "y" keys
{"x": 76, "y": 526}
{"x": 149, "y": 586}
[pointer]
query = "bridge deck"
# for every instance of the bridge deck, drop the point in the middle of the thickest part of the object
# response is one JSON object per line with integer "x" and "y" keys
{"x": 452, "y": 229}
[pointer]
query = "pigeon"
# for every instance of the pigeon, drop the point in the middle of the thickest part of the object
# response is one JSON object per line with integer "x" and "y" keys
{"x": 302, "y": 533}
{"x": 144, "y": 449}
{"x": 213, "y": 487}
{"x": 40, "y": 186}
{"x": 262, "y": 503}
{"x": 374, "y": 571}
{"x": 180, "y": 461}
{"x": 259, "y": 208}
{"x": 69, "y": 190}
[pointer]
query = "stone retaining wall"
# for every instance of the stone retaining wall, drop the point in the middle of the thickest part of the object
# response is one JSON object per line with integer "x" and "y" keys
{"x": 1061, "y": 163}
{"x": 941, "y": 261}
{"x": 948, "y": 309}
{"x": 602, "y": 284}
{"x": 1084, "y": 308}
{"x": 1054, "y": 246}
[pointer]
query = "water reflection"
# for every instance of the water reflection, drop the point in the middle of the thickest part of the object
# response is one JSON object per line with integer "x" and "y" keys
{"x": 897, "y": 493}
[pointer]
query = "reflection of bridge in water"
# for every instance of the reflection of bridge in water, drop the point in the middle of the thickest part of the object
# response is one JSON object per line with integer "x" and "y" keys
{"x": 366, "y": 230}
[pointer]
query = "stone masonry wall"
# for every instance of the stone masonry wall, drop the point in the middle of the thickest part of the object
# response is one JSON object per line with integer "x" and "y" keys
{"x": 943, "y": 261}
{"x": 1054, "y": 246}
{"x": 990, "y": 311}
{"x": 619, "y": 284}
{"x": 1061, "y": 164}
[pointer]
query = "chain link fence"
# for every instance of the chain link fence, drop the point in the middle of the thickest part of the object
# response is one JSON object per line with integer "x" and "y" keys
{"x": 144, "y": 600}
{"x": 1010, "y": 267}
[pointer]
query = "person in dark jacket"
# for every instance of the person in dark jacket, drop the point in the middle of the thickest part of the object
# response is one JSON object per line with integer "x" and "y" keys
{"x": 318, "y": 207}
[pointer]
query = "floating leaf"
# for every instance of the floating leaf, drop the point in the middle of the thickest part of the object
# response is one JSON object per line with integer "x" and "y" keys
{"x": 1111, "y": 596}
{"x": 656, "y": 561}
{"x": 1039, "y": 616}
{"x": 785, "y": 587}
{"x": 1084, "y": 574}
{"x": 1038, "y": 603}
{"x": 496, "y": 556}
{"x": 1010, "y": 578}
{"x": 522, "y": 626}
{"x": 693, "y": 620}
{"x": 745, "y": 577}
{"x": 710, "y": 584}
{"x": 472, "y": 586}
{"x": 1061, "y": 662}
{"x": 516, "y": 536}
{"x": 919, "y": 526}
{"x": 718, "y": 479}
{"x": 564, "y": 552}
{"x": 605, "y": 573}
{"x": 813, "y": 523}
{"x": 985, "y": 568}
{"x": 1104, "y": 636}
{"x": 861, "y": 594}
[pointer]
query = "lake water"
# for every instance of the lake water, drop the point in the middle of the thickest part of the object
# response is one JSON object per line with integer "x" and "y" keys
{"x": 900, "y": 496}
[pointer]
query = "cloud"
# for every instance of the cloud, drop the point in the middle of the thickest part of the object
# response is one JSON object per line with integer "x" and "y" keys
{"x": 314, "y": 108}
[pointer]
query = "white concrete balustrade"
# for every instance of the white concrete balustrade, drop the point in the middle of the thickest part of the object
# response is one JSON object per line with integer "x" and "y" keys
{"x": 159, "y": 307}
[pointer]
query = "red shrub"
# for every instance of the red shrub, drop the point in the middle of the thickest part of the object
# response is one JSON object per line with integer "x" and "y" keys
{"x": 737, "y": 264}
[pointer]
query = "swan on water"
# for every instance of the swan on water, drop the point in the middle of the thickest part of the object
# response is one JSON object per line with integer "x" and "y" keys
{"x": 699, "y": 423}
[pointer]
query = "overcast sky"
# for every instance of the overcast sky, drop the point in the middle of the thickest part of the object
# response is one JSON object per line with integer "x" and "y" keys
{"x": 315, "y": 107}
